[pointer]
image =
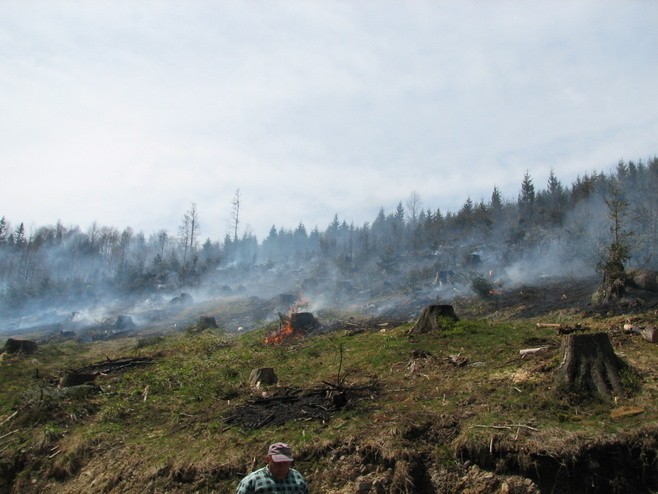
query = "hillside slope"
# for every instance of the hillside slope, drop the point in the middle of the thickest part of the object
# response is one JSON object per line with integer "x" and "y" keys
{"x": 363, "y": 404}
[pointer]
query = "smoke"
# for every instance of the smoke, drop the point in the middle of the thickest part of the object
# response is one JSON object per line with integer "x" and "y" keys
{"x": 73, "y": 279}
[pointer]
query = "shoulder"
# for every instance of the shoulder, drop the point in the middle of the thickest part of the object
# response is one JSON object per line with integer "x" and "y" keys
{"x": 297, "y": 477}
{"x": 250, "y": 481}
{"x": 296, "y": 474}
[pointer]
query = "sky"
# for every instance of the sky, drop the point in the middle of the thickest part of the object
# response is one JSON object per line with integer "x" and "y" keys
{"x": 126, "y": 113}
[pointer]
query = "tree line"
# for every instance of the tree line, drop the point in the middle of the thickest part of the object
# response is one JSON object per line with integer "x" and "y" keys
{"x": 58, "y": 263}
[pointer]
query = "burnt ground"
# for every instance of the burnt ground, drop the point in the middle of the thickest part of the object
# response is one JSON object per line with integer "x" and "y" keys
{"x": 551, "y": 296}
{"x": 294, "y": 404}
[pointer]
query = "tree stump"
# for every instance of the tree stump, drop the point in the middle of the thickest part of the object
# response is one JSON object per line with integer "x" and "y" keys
{"x": 304, "y": 321}
{"x": 25, "y": 347}
{"x": 206, "y": 322}
{"x": 433, "y": 318}
{"x": 263, "y": 376}
{"x": 590, "y": 365}
{"x": 124, "y": 322}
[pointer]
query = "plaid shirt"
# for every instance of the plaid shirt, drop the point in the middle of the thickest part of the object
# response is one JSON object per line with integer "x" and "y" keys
{"x": 261, "y": 481}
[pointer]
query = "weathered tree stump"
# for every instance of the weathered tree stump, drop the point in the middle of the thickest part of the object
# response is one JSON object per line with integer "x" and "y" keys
{"x": 14, "y": 346}
{"x": 206, "y": 322}
{"x": 590, "y": 365}
{"x": 263, "y": 376}
{"x": 433, "y": 318}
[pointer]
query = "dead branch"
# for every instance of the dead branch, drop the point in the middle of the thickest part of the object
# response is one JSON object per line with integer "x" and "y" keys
{"x": 508, "y": 427}
{"x": 9, "y": 418}
{"x": 531, "y": 351}
{"x": 573, "y": 329}
{"x": 9, "y": 433}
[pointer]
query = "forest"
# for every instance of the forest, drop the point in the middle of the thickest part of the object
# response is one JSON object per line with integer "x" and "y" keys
{"x": 557, "y": 229}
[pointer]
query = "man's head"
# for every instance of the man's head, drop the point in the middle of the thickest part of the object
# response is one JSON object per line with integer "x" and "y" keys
{"x": 279, "y": 460}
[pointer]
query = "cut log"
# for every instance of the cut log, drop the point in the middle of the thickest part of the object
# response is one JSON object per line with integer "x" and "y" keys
{"x": 590, "y": 366}
{"x": 434, "y": 318}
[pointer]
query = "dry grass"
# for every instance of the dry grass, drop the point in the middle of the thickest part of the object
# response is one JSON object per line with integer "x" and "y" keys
{"x": 162, "y": 428}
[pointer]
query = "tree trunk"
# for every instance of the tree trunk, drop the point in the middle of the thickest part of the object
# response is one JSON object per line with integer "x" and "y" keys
{"x": 590, "y": 365}
{"x": 433, "y": 318}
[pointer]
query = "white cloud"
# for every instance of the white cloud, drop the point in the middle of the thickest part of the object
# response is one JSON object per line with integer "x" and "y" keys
{"x": 126, "y": 113}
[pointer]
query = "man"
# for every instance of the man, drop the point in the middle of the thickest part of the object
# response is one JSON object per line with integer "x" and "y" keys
{"x": 276, "y": 477}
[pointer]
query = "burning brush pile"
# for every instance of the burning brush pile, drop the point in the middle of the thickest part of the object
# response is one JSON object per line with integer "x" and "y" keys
{"x": 296, "y": 324}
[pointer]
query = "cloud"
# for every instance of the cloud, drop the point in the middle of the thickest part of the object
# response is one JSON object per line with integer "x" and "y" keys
{"x": 127, "y": 113}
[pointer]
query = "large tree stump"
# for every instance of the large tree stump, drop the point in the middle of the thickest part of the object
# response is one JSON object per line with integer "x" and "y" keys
{"x": 25, "y": 347}
{"x": 590, "y": 365}
{"x": 433, "y": 318}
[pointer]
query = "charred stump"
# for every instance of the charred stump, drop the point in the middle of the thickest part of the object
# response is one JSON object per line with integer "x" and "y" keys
{"x": 590, "y": 366}
{"x": 299, "y": 321}
{"x": 433, "y": 318}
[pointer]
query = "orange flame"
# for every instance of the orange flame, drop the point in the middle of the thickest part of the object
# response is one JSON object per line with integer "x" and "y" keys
{"x": 286, "y": 330}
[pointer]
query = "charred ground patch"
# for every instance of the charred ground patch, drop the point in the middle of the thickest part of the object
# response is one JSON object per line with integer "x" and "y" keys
{"x": 286, "y": 405}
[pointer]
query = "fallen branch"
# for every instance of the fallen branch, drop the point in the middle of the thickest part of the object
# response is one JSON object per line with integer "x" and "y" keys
{"x": 9, "y": 418}
{"x": 531, "y": 351}
{"x": 574, "y": 329}
{"x": 9, "y": 433}
{"x": 508, "y": 427}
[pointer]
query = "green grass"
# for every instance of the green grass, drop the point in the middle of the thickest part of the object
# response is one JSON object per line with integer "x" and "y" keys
{"x": 171, "y": 414}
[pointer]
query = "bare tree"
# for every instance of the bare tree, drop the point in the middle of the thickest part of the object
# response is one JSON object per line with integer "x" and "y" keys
{"x": 189, "y": 231}
{"x": 235, "y": 213}
{"x": 414, "y": 205}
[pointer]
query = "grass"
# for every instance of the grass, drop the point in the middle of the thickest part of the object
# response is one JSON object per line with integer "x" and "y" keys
{"x": 165, "y": 421}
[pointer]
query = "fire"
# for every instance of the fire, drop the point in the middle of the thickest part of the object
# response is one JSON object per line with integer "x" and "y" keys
{"x": 286, "y": 329}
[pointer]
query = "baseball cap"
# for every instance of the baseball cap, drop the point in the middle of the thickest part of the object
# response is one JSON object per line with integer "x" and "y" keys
{"x": 280, "y": 452}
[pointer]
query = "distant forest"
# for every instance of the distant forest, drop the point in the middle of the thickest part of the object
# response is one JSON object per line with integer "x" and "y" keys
{"x": 557, "y": 229}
